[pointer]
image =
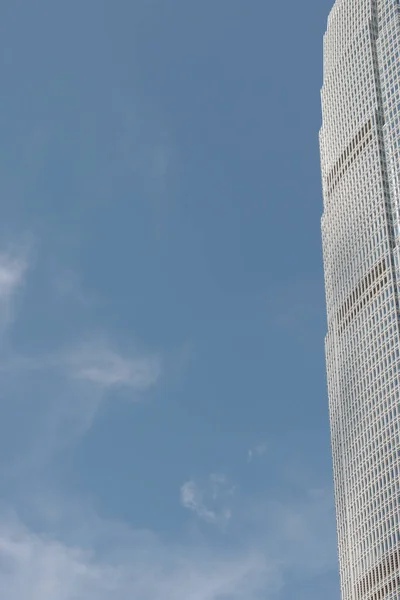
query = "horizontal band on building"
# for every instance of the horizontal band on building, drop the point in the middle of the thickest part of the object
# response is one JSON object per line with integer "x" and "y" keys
{"x": 377, "y": 576}
{"x": 353, "y": 150}
{"x": 367, "y": 288}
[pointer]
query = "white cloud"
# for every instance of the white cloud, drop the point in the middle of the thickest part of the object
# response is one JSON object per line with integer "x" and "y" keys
{"x": 256, "y": 451}
{"x": 35, "y": 568}
{"x": 13, "y": 267}
{"x": 216, "y": 492}
{"x": 98, "y": 363}
{"x": 59, "y": 393}
{"x": 60, "y": 396}
{"x": 87, "y": 558}
{"x": 192, "y": 498}
{"x": 11, "y": 272}
{"x": 94, "y": 361}
{"x": 39, "y": 567}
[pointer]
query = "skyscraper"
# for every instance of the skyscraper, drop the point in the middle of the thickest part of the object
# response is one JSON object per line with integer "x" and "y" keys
{"x": 360, "y": 161}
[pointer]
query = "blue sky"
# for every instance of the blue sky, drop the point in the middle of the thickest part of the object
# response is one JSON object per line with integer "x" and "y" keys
{"x": 163, "y": 412}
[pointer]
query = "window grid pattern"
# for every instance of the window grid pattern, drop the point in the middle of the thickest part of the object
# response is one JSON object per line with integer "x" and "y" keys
{"x": 360, "y": 164}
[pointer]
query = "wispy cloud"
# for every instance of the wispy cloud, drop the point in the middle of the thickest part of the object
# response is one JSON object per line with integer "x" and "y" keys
{"x": 94, "y": 361}
{"x": 13, "y": 267}
{"x": 59, "y": 392}
{"x": 256, "y": 451}
{"x": 60, "y": 395}
{"x": 11, "y": 272}
{"x": 209, "y": 503}
{"x": 39, "y": 567}
{"x": 100, "y": 364}
{"x": 192, "y": 498}
{"x": 104, "y": 560}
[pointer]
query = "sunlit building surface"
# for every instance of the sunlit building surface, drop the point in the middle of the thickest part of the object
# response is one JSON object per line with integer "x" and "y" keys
{"x": 360, "y": 161}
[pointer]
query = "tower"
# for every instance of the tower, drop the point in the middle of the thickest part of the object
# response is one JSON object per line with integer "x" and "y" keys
{"x": 360, "y": 163}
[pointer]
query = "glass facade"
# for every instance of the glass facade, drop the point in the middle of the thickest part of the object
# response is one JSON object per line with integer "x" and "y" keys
{"x": 360, "y": 162}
